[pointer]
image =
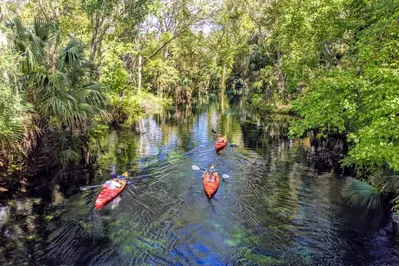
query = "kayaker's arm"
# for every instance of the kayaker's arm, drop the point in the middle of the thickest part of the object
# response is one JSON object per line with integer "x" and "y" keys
{"x": 196, "y": 168}
{"x": 106, "y": 184}
{"x": 205, "y": 173}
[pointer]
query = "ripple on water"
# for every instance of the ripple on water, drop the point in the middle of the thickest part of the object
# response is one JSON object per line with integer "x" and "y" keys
{"x": 273, "y": 210}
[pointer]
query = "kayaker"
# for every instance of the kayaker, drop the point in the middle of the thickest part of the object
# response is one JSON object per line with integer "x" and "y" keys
{"x": 113, "y": 183}
{"x": 220, "y": 138}
{"x": 211, "y": 174}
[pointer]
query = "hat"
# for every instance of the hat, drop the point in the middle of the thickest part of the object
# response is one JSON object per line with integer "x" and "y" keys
{"x": 123, "y": 176}
{"x": 212, "y": 168}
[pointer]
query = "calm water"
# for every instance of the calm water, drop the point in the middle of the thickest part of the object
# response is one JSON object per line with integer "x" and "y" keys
{"x": 273, "y": 210}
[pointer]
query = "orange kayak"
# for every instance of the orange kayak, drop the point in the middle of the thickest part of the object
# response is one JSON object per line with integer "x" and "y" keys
{"x": 106, "y": 195}
{"x": 219, "y": 145}
{"x": 210, "y": 188}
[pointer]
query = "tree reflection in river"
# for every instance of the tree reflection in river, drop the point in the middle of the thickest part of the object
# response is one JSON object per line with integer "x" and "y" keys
{"x": 274, "y": 210}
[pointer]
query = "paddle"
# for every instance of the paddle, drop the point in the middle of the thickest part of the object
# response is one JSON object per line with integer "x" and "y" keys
{"x": 84, "y": 188}
{"x": 196, "y": 168}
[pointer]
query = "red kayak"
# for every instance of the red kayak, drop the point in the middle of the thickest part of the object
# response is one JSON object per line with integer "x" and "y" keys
{"x": 210, "y": 188}
{"x": 220, "y": 144}
{"x": 106, "y": 195}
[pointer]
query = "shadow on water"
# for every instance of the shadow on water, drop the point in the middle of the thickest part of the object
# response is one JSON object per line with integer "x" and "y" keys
{"x": 273, "y": 210}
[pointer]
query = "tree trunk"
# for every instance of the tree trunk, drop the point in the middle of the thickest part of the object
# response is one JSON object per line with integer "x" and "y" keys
{"x": 281, "y": 82}
{"x": 99, "y": 56}
{"x": 140, "y": 125}
{"x": 139, "y": 69}
{"x": 223, "y": 81}
{"x": 159, "y": 89}
{"x": 93, "y": 43}
{"x": 281, "y": 75}
{"x": 99, "y": 27}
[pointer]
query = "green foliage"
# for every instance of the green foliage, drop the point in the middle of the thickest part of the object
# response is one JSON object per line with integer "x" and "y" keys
{"x": 357, "y": 95}
{"x": 330, "y": 104}
{"x": 258, "y": 103}
{"x": 390, "y": 183}
{"x": 61, "y": 92}
{"x": 11, "y": 105}
{"x": 376, "y": 140}
{"x": 335, "y": 60}
{"x": 53, "y": 93}
{"x": 362, "y": 195}
{"x": 135, "y": 106}
{"x": 11, "y": 120}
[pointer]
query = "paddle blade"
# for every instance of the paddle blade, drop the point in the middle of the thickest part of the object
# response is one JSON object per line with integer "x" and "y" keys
{"x": 196, "y": 168}
{"x": 89, "y": 187}
{"x": 225, "y": 176}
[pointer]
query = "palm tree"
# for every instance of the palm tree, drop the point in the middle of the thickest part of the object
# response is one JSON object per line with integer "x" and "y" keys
{"x": 60, "y": 91}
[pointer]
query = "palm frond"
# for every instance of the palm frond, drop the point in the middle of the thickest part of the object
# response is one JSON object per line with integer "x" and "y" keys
{"x": 10, "y": 141}
{"x": 390, "y": 183}
{"x": 68, "y": 156}
{"x": 45, "y": 30}
{"x": 11, "y": 120}
{"x": 362, "y": 195}
{"x": 39, "y": 82}
{"x": 20, "y": 29}
{"x": 31, "y": 135}
{"x": 28, "y": 44}
{"x": 87, "y": 108}
{"x": 56, "y": 106}
{"x": 59, "y": 81}
{"x": 91, "y": 94}
{"x": 72, "y": 54}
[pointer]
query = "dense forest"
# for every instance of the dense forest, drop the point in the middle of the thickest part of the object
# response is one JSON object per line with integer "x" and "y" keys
{"x": 72, "y": 69}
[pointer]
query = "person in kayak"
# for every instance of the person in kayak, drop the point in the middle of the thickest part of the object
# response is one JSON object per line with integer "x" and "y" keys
{"x": 220, "y": 138}
{"x": 113, "y": 183}
{"x": 211, "y": 174}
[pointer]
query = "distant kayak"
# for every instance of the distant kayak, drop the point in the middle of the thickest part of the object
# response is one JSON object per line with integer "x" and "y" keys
{"x": 219, "y": 145}
{"x": 210, "y": 188}
{"x": 106, "y": 195}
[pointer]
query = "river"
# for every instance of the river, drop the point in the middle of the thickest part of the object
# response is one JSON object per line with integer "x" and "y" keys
{"x": 273, "y": 210}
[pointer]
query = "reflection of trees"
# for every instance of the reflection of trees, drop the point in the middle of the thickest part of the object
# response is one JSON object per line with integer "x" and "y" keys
{"x": 263, "y": 202}
{"x": 272, "y": 175}
{"x": 76, "y": 241}
{"x": 159, "y": 134}
{"x": 20, "y": 230}
{"x": 120, "y": 149}
{"x": 229, "y": 123}
{"x": 179, "y": 124}
{"x": 257, "y": 218}
{"x": 168, "y": 133}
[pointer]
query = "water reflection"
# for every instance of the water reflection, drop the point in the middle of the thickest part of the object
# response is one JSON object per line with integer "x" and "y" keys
{"x": 274, "y": 210}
